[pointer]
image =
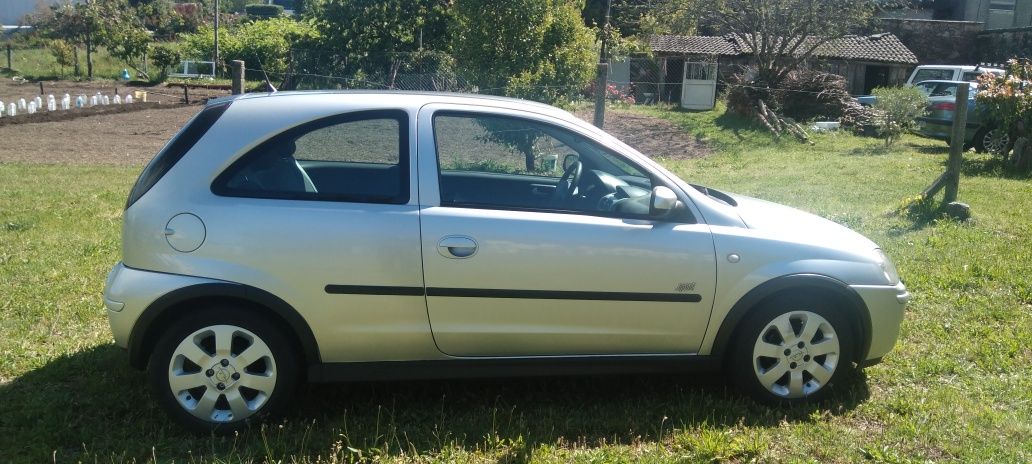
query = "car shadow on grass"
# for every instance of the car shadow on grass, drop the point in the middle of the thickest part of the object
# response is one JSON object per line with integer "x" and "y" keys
{"x": 929, "y": 149}
{"x": 91, "y": 406}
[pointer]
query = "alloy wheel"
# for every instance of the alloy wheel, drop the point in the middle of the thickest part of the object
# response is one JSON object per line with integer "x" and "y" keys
{"x": 995, "y": 141}
{"x": 796, "y": 354}
{"x": 222, "y": 373}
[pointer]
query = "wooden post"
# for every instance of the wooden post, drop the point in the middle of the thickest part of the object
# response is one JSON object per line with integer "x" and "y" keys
{"x": 41, "y": 88}
{"x": 957, "y": 144}
{"x": 238, "y": 76}
{"x": 9, "y": 57}
{"x": 186, "y": 93}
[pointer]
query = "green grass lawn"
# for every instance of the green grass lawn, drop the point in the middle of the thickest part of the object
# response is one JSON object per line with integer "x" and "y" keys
{"x": 957, "y": 387}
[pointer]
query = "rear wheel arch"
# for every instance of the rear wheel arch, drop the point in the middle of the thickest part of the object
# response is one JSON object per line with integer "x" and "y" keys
{"x": 820, "y": 287}
{"x": 178, "y": 303}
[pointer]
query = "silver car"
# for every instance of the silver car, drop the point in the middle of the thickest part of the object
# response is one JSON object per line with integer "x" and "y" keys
{"x": 338, "y": 236}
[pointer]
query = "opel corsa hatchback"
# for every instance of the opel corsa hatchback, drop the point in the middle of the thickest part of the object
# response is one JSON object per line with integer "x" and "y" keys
{"x": 372, "y": 235}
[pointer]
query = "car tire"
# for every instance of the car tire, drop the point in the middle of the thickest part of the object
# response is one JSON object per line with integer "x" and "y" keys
{"x": 221, "y": 369}
{"x": 792, "y": 349}
{"x": 992, "y": 141}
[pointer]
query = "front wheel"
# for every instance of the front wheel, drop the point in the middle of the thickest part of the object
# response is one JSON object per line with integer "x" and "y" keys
{"x": 221, "y": 370}
{"x": 792, "y": 350}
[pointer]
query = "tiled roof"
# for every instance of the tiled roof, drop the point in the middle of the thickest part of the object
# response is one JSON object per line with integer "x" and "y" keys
{"x": 695, "y": 44}
{"x": 884, "y": 47}
{"x": 879, "y": 47}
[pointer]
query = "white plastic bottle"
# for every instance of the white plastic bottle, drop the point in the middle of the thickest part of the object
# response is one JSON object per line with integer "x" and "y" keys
{"x": 32, "y": 107}
{"x": 21, "y": 104}
{"x": 12, "y": 109}
{"x": 116, "y": 99}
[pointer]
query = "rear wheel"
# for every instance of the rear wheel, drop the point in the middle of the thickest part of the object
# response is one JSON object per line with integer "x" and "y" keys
{"x": 993, "y": 140}
{"x": 222, "y": 370}
{"x": 792, "y": 350}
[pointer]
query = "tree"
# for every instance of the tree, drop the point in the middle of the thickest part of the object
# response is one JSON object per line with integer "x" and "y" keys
{"x": 165, "y": 57}
{"x": 646, "y": 17}
{"x": 63, "y": 53}
{"x": 782, "y": 34}
{"x": 537, "y": 49}
{"x": 377, "y": 37}
{"x": 93, "y": 23}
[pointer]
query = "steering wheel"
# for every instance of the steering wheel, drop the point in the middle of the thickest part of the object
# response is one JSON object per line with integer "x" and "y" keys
{"x": 567, "y": 184}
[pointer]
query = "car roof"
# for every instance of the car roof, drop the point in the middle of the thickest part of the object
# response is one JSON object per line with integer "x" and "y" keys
{"x": 936, "y": 81}
{"x": 415, "y": 97}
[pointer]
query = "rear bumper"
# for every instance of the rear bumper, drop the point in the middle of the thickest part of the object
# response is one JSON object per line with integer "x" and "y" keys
{"x": 942, "y": 128}
{"x": 128, "y": 292}
{"x": 886, "y": 305}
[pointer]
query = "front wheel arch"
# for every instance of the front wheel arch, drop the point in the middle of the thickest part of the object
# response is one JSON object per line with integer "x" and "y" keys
{"x": 817, "y": 286}
{"x": 178, "y": 303}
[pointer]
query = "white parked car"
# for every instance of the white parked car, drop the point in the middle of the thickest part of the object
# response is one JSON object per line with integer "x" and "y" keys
{"x": 386, "y": 235}
{"x": 948, "y": 72}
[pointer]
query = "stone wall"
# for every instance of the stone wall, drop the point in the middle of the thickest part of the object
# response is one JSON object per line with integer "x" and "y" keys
{"x": 999, "y": 45}
{"x": 937, "y": 42}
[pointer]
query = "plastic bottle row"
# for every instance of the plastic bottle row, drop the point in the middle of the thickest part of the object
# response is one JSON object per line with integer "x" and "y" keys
{"x": 65, "y": 103}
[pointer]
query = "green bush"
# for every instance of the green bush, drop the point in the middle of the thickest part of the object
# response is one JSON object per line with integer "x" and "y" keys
{"x": 897, "y": 110}
{"x": 263, "y": 11}
{"x": 165, "y": 57}
{"x": 535, "y": 49}
{"x": 260, "y": 43}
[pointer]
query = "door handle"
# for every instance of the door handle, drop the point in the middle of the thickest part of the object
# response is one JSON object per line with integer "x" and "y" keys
{"x": 457, "y": 246}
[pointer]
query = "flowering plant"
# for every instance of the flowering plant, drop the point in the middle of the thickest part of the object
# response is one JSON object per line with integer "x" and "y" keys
{"x": 1007, "y": 100}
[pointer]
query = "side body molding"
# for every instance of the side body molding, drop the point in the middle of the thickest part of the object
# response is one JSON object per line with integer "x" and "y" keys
{"x": 797, "y": 282}
{"x": 143, "y": 336}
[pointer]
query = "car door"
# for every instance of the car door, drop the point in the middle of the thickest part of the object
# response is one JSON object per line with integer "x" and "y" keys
{"x": 324, "y": 215}
{"x": 510, "y": 271}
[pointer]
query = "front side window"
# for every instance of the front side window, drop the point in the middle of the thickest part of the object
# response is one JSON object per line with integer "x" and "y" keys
{"x": 489, "y": 161}
{"x": 360, "y": 157}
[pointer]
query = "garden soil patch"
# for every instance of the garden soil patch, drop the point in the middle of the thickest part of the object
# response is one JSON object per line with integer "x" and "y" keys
{"x": 654, "y": 137}
{"x": 124, "y": 138}
{"x": 117, "y": 137}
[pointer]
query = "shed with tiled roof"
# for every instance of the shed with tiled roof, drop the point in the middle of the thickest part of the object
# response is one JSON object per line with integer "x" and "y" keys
{"x": 865, "y": 61}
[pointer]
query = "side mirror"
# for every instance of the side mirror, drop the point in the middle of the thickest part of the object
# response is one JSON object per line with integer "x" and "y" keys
{"x": 663, "y": 201}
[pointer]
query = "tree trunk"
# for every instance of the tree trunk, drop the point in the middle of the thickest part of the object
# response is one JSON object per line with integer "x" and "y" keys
{"x": 89, "y": 56}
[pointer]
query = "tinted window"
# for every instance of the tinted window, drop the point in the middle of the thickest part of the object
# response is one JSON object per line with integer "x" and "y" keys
{"x": 359, "y": 157}
{"x": 175, "y": 149}
{"x": 491, "y": 161}
{"x": 933, "y": 75}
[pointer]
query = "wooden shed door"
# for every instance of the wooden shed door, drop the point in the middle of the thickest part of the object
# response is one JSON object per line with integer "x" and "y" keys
{"x": 699, "y": 91}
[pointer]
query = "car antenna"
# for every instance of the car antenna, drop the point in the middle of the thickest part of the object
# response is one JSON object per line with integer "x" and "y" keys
{"x": 268, "y": 83}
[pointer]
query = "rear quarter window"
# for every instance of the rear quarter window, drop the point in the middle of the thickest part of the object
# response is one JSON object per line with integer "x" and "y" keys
{"x": 175, "y": 149}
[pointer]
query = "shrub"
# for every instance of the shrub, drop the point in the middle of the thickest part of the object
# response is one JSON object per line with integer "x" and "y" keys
{"x": 260, "y": 43}
{"x": 63, "y": 53}
{"x": 263, "y": 11}
{"x": 534, "y": 49}
{"x": 897, "y": 110}
{"x": 165, "y": 57}
{"x": 1007, "y": 103}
